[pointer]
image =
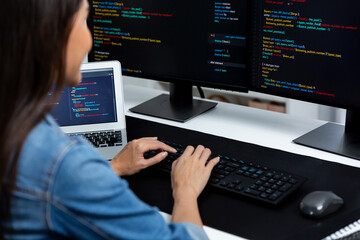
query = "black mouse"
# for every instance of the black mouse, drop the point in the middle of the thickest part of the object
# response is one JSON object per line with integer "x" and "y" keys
{"x": 319, "y": 204}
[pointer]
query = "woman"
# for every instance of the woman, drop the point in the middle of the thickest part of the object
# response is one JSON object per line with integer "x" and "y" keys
{"x": 53, "y": 186}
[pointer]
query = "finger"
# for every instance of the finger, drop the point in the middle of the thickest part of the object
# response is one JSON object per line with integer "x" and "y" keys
{"x": 211, "y": 164}
{"x": 173, "y": 165}
{"x": 156, "y": 159}
{"x": 205, "y": 155}
{"x": 156, "y": 145}
{"x": 149, "y": 138}
{"x": 198, "y": 151}
{"x": 188, "y": 151}
{"x": 167, "y": 148}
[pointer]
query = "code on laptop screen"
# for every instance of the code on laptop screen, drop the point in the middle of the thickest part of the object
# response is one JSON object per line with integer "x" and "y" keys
{"x": 90, "y": 102}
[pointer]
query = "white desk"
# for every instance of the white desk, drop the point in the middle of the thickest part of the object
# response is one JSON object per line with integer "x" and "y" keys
{"x": 264, "y": 128}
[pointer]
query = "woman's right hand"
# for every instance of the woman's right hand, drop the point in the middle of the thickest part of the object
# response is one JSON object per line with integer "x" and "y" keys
{"x": 189, "y": 173}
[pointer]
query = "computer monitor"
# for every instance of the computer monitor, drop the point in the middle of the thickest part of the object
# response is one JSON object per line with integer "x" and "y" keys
{"x": 309, "y": 50}
{"x": 185, "y": 43}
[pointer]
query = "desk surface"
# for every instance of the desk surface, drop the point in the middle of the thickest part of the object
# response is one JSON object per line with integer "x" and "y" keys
{"x": 269, "y": 129}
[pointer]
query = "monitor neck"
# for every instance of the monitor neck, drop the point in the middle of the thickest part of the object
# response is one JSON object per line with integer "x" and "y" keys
{"x": 181, "y": 95}
{"x": 352, "y": 125}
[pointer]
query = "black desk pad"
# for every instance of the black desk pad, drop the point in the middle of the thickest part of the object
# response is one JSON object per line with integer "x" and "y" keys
{"x": 238, "y": 215}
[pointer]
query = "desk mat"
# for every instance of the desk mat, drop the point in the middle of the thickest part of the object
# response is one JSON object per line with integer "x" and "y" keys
{"x": 238, "y": 215}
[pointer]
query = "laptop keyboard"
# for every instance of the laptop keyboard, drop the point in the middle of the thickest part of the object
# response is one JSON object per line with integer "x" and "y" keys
{"x": 247, "y": 179}
{"x": 102, "y": 138}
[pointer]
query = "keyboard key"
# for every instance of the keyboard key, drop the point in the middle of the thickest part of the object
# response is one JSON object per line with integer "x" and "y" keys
{"x": 271, "y": 180}
{"x": 275, "y": 195}
{"x": 234, "y": 165}
{"x": 286, "y": 187}
{"x": 264, "y": 195}
{"x": 284, "y": 179}
{"x": 252, "y": 192}
{"x": 269, "y": 191}
{"x": 216, "y": 175}
{"x": 269, "y": 175}
{"x": 277, "y": 177}
{"x": 221, "y": 172}
{"x": 224, "y": 183}
{"x": 293, "y": 181}
{"x": 220, "y": 166}
{"x": 280, "y": 183}
{"x": 254, "y": 186}
{"x": 237, "y": 181}
{"x": 247, "y": 174}
{"x": 239, "y": 172}
{"x": 214, "y": 180}
{"x": 229, "y": 169}
{"x": 264, "y": 179}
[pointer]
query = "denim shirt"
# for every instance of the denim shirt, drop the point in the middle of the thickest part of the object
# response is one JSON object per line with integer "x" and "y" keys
{"x": 65, "y": 189}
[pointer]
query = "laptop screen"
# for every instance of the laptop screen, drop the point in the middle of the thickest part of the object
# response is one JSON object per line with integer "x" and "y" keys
{"x": 91, "y": 102}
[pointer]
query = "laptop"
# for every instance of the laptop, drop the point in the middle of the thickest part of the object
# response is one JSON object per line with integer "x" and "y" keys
{"x": 95, "y": 108}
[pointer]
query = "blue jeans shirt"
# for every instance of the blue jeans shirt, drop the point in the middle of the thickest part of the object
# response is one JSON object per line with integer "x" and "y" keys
{"x": 64, "y": 189}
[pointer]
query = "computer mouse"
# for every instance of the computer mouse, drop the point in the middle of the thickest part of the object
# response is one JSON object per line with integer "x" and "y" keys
{"x": 319, "y": 204}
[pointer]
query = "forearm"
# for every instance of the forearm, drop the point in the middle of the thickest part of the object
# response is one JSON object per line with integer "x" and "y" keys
{"x": 186, "y": 210}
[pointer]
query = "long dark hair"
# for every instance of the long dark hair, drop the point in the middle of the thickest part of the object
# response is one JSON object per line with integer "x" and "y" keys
{"x": 34, "y": 36}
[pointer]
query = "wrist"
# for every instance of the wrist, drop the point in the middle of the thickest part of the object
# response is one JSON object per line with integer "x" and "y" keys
{"x": 187, "y": 194}
{"x": 116, "y": 168}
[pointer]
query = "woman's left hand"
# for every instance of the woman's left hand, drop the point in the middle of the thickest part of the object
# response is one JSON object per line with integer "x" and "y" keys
{"x": 130, "y": 159}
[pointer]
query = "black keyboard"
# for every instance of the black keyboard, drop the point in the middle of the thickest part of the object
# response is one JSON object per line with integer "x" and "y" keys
{"x": 103, "y": 138}
{"x": 248, "y": 179}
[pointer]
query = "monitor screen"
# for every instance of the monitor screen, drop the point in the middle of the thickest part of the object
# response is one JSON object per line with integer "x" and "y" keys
{"x": 307, "y": 50}
{"x": 198, "y": 42}
{"x": 90, "y": 102}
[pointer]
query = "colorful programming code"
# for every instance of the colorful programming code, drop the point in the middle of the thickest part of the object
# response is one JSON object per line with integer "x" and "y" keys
{"x": 90, "y": 102}
{"x": 198, "y": 40}
{"x": 306, "y": 48}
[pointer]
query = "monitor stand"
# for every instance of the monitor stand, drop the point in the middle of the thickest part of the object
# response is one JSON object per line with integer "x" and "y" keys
{"x": 335, "y": 138}
{"x": 179, "y": 106}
